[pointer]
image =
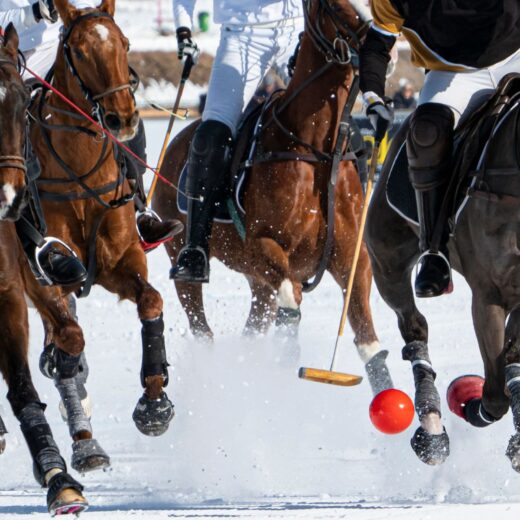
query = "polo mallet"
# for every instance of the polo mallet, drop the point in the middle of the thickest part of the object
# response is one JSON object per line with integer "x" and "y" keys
{"x": 188, "y": 65}
{"x": 330, "y": 376}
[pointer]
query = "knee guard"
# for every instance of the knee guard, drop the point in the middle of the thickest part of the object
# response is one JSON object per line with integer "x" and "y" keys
{"x": 154, "y": 351}
{"x": 210, "y": 155}
{"x": 429, "y": 145}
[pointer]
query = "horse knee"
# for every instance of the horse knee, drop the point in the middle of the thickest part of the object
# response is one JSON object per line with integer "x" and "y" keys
{"x": 69, "y": 338}
{"x": 150, "y": 304}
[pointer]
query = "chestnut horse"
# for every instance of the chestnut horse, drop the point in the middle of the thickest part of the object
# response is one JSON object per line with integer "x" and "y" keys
{"x": 286, "y": 195}
{"x": 16, "y": 280}
{"x": 87, "y": 202}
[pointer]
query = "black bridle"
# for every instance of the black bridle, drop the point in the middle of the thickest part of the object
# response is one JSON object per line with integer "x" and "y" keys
{"x": 93, "y": 99}
{"x": 346, "y": 41}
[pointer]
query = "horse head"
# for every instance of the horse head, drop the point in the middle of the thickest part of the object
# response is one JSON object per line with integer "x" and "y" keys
{"x": 14, "y": 99}
{"x": 93, "y": 56}
{"x": 335, "y": 28}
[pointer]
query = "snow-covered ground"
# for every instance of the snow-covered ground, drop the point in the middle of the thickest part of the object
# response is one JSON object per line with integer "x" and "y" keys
{"x": 250, "y": 439}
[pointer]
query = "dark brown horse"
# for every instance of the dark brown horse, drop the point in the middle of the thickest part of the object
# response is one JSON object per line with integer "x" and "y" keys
{"x": 286, "y": 195}
{"x": 87, "y": 203}
{"x": 484, "y": 248}
{"x": 16, "y": 280}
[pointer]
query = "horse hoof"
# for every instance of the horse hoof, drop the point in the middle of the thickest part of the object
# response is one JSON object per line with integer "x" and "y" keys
{"x": 48, "y": 361}
{"x": 2, "y": 444}
{"x": 65, "y": 496}
{"x": 88, "y": 455}
{"x": 513, "y": 451}
{"x": 153, "y": 416}
{"x": 463, "y": 390}
{"x": 431, "y": 449}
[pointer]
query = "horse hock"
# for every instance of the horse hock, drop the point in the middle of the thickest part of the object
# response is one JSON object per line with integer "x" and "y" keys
{"x": 154, "y": 411}
{"x": 50, "y": 470}
{"x": 430, "y": 441}
{"x": 87, "y": 453}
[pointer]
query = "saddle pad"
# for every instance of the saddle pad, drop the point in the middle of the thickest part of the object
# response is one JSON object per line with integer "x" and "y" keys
{"x": 222, "y": 214}
{"x": 399, "y": 191}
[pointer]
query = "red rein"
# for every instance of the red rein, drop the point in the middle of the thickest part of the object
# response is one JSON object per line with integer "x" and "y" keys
{"x": 103, "y": 130}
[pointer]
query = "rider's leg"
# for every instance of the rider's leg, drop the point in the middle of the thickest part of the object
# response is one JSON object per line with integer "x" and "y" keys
{"x": 49, "y": 263}
{"x": 244, "y": 56}
{"x": 429, "y": 147}
{"x": 208, "y": 164}
{"x": 150, "y": 227}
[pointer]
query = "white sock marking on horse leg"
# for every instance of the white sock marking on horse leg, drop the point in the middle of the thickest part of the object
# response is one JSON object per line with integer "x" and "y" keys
{"x": 102, "y": 31}
{"x": 432, "y": 423}
{"x": 3, "y": 94}
{"x": 368, "y": 351}
{"x": 285, "y": 297}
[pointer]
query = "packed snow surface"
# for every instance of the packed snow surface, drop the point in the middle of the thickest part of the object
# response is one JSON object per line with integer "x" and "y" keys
{"x": 251, "y": 440}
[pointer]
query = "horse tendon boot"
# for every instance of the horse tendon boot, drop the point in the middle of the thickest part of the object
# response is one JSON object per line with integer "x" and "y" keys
{"x": 64, "y": 493}
{"x": 513, "y": 385}
{"x": 430, "y": 448}
{"x": 3, "y": 431}
{"x": 154, "y": 410}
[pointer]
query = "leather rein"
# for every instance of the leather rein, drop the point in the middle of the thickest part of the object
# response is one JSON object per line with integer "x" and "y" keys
{"x": 342, "y": 52}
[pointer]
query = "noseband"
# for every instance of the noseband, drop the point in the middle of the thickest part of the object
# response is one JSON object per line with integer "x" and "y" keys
{"x": 346, "y": 42}
{"x": 93, "y": 99}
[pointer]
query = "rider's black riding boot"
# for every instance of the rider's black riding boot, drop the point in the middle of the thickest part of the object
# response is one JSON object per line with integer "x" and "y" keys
{"x": 151, "y": 228}
{"x": 51, "y": 265}
{"x": 429, "y": 148}
{"x": 208, "y": 167}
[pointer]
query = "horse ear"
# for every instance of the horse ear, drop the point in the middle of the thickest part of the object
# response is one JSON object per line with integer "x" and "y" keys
{"x": 66, "y": 11}
{"x": 108, "y": 6}
{"x": 11, "y": 40}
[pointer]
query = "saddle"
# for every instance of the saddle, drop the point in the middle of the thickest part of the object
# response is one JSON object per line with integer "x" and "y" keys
{"x": 246, "y": 153}
{"x": 470, "y": 177}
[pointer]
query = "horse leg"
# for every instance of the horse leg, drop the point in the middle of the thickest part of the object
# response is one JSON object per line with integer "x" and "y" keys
{"x": 511, "y": 361}
{"x": 154, "y": 411}
{"x": 392, "y": 268}
{"x": 3, "y": 431}
{"x": 190, "y": 296}
{"x": 63, "y": 361}
{"x": 263, "y": 308}
{"x": 64, "y": 493}
{"x": 360, "y": 315}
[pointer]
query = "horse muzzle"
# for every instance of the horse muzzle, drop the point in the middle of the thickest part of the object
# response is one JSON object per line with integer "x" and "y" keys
{"x": 123, "y": 128}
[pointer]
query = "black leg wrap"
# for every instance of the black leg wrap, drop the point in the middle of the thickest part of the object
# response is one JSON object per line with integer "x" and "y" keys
{"x": 154, "y": 352}
{"x": 378, "y": 373}
{"x": 513, "y": 385}
{"x": 54, "y": 362}
{"x": 3, "y": 429}
{"x": 427, "y": 399}
{"x": 38, "y": 436}
{"x": 476, "y": 415}
{"x": 288, "y": 321}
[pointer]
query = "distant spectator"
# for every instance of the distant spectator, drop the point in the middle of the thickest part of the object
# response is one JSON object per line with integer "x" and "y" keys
{"x": 405, "y": 99}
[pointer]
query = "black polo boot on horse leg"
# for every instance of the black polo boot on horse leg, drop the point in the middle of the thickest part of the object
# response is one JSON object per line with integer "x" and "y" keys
{"x": 151, "y": 229}
{"x": 3, "y": 431}
{"x": 51, "y": 260}
{"x": 153, "y": 413}
{"x": 431, "y": 448}
{"x": 208, "y": 166}
{"x": 429, "y": 148}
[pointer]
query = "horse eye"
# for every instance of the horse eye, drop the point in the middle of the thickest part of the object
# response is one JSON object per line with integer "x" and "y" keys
{"x": 78, "y": 54}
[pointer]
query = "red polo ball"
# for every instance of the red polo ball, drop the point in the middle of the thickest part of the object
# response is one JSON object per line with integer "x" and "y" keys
{"x": 391, "y": 411}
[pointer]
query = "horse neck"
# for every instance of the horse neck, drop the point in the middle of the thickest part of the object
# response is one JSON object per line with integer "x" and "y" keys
{"x": 314, "y": 114}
